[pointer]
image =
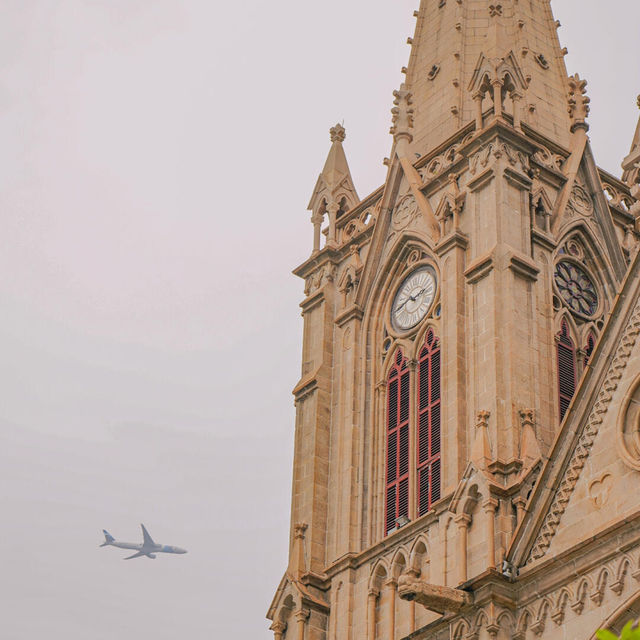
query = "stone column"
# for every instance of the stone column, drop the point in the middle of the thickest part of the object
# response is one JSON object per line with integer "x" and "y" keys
{"x": 316, "y": 219}
{"x": 516, "y": 97}
{"x": 477, "y": 98}
{"x": 302, "y": 615}
{"x": 497, "y": 97}
{"x": 463, "y": 521}
{"x": 278, "y": 629}
{"x": 520, "y": 504}
{"x": 332, "y": 210}
{"x": 490, "y": 507}
{"x": 392, "y": 588}
{"x": 374, "y": 594}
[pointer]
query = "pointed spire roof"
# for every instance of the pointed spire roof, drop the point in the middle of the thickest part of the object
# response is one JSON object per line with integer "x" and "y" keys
{"x": 453, "y": 39}
{"x": 631, "y": 164}
{"x": 335, "y": 181}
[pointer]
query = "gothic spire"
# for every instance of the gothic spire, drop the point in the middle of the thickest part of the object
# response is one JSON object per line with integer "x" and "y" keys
{"x": 631, "y": 164}
{"x": 334, "y": 192}
{"x": 466, "y": 52}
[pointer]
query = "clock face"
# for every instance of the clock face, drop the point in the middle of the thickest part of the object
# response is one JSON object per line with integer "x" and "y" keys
{"x": 576, "y": 288}
{"x": 413, "y": 299}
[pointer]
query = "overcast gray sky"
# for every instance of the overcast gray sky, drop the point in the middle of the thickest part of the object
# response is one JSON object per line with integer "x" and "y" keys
{"x": 156, "y": 159}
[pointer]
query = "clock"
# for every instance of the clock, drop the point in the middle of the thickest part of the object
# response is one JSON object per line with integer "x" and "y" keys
{"x": 576, "y": 288}
{"x": 413, "y": 299}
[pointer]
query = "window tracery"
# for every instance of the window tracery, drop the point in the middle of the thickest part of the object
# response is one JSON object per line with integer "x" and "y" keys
{"x": 401, "y": 405}
{"x": 429, "y": 424}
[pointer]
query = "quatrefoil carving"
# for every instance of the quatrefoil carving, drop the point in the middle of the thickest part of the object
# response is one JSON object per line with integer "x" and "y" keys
{"x": 495, "y": 10}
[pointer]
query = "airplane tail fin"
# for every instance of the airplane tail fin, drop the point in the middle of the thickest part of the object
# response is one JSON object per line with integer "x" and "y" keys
{"x": 108, "y": 538}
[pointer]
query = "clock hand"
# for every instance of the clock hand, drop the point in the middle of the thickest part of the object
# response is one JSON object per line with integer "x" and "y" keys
{"x": 411, "y": 299}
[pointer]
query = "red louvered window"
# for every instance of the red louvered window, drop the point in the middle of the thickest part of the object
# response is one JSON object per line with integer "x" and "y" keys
{"x": 566, "y": 368}
{"x": 429, "y": 427}
{"x": 589, "y": 347}
{"x": 397, "y": 484}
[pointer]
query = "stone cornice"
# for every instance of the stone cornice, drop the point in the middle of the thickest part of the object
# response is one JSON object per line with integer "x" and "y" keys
{"x": 354, "y": 312}
{"x": 312, "y": 301}
{"x": 480, "y": 268}
{"x": 327, "y": 255}
{"x": 455, "y": 240}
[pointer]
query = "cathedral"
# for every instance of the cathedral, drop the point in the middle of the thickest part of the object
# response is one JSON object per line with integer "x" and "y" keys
{"x": 467, "y": 435}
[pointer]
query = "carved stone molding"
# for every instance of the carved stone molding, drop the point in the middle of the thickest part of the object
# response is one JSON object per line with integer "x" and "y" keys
{"x": 582, "y": 451}
{"x": 494, "y": 151}
{"x": 404, "y": 213}
{"x": 580, "y": 201}
{"x": 628, "y": 427}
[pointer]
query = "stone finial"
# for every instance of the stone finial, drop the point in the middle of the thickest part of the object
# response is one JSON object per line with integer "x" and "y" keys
{"x": 482, "y": 419}
{"x": 481, "y": 449}
{"x": 527, "y": 418}
{"x": 402, "y": 114}
{"x": 298, "y": 564}
{"x": 529, "y": 448}
{"x": 338, "y": 133}
{"x": 578, "y": 103}
{"x": 631, "y": 169}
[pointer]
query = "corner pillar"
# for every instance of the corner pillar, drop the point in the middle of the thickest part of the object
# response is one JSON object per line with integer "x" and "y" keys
{"x": 392, "y": 588}
{"x": 372, "y": 600}
{"x": 302, "y": 615}
{"x": 463, "y": 521}
{"x": 490, "y": 507}
{"x": 278, "y": 629}
{"x": 316, "y": 220}
{"x": 332, "y": 210}
{"x": 497, "y": 98}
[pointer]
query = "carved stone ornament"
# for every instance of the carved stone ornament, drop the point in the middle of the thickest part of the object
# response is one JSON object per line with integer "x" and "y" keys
{"x": 578, "y": 102}
{"x": 404, "y": 213}
{"x": 580, "y": 201}
{"x": 494, "y": 151}
{"x": 402, "y": 114}
{"x": 433, "y": 597}
{"x": 628, "y": 435}
{"x": 600, "y": 490}
{"x": 576, "y": 288}
{"x": 337, "y": 133}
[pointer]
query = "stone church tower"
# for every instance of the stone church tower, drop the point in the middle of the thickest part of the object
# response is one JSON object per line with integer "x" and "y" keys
{"x": 467, "y": 439}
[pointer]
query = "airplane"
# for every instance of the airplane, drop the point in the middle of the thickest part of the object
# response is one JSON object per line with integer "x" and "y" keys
{"x": 148, "y": 547}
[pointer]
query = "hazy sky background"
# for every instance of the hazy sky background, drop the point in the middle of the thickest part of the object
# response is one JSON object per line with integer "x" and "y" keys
{"x": 156, "y": 159}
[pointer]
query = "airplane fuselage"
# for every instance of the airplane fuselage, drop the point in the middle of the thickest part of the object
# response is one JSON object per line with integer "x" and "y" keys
{"x": 156, "y": 548}
{"x": 148, "y": 547}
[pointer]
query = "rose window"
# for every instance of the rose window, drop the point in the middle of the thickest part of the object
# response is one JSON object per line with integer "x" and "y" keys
{"x": 576, "y": 288}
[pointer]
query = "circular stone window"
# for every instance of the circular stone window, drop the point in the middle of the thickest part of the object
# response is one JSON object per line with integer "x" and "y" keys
{"x": 576, "y": 288}
{"x": 629, "y": 427}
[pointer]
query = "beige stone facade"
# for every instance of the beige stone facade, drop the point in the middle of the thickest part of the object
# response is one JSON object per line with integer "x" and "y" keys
{"x": 492, "y": 191}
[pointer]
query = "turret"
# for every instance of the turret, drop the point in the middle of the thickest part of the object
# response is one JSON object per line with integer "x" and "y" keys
{"x": 334, "y": 193}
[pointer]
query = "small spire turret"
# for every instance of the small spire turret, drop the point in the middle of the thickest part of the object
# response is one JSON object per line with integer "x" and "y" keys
{"x": 334, "y": 192}
{"x": 631, "y": 164}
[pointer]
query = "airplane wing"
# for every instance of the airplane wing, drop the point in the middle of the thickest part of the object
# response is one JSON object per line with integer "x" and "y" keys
{"x": 135, "y": 555}
{"x": 148, "y": 540}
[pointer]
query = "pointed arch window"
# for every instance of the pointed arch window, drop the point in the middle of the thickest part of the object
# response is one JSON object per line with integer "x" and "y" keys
{"x": 398, "y": 406}
{"x": 566, "y": 368}
{"x": 589, "y": 347}
{"x": 429, "y": 424}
